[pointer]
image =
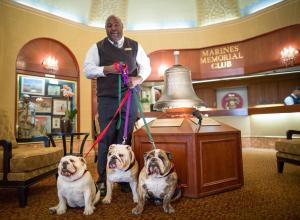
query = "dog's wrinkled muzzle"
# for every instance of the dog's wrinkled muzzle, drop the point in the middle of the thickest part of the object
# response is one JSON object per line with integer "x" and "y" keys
{"x": 113, "y": 162}
{"x": 65, "y": 171}
{"x": 153, "y": 168}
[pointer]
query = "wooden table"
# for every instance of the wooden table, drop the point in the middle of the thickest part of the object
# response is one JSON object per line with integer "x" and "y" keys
{"x": 207, "y": 161}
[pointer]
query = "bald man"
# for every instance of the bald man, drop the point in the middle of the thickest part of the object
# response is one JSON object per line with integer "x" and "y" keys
{"x": 99, "y": 64}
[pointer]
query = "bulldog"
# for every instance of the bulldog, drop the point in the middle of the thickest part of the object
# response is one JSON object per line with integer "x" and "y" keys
{"x": 121, "y": 167}
{"x": 157, "y": 180}
{"x": 75, "y": 186}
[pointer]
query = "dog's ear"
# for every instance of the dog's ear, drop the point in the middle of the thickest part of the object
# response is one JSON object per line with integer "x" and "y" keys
{"x": 129, "y": 148}
{"x": 131, "y": 157}
{"x": 82, "y": 160}
{"x": 111, "y": 147}
{"x": 145, "y": 156}
{"x": 169, "y": 155}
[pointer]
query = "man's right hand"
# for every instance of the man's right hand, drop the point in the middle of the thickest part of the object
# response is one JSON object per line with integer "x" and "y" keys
{"x": 110, "y": 70}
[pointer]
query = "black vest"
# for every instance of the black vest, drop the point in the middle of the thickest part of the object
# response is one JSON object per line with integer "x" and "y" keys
{"x": 109, "y": 54}
{"x": 296, "y": 100}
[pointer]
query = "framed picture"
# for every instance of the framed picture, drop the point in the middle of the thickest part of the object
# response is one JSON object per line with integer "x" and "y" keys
{"x": 42, "y": 124}
{"x": 232, "y": 98}
{"x": 55, "y": 122}
{"x": 53, "y": 90}
{"x": 42, "y": 104}
{"x": 60, "y": 106}
{"x": 33, "y": 85}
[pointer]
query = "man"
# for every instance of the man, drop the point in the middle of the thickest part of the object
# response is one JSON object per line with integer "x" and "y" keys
{"x": 294, "y": 97}
{"x": 99, "y": 64}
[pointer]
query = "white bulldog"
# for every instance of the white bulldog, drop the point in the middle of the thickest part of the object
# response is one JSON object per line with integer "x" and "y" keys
{"x": 121, "y": 167}
{"x": 75, "y": 186}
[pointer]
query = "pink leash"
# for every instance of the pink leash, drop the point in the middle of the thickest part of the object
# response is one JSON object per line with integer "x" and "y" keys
{"x": 107, "y": 126}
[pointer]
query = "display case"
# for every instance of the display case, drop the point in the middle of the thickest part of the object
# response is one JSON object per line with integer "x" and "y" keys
{"x": 41, "y": 105}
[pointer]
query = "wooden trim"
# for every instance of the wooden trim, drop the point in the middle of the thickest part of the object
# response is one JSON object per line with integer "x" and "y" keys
{"x": 274, "y": 109}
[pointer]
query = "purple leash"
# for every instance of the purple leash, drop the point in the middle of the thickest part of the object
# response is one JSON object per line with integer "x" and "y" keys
{"x": 124, "y": 72}
{"x": 127, "y": 117}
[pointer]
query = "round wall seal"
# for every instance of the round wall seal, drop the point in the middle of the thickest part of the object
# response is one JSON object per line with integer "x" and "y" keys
{"x": 232, "y": 100}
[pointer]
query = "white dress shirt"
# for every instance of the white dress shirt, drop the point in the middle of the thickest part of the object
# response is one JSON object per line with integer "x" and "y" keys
{"x": 289, "y": 100}
{"x": 91, "y": 64}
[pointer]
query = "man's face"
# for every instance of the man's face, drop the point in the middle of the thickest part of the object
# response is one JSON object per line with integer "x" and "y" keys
{"x": 114, "y": 29}
{"x": 297, "y": 93}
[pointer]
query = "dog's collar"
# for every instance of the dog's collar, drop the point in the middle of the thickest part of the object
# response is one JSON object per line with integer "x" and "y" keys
{"x": 170, "y": 171}
{"x": 81, "y": 175}
{"x": 130, "y": 166}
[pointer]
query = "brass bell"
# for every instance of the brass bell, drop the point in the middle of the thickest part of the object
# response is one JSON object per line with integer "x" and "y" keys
{"x": 178, "y": 91}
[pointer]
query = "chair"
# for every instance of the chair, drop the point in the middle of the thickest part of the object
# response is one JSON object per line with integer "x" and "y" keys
{"x": 70, "y": 150}
{"x": 288, "y": 150}
{"x": 22, "y": 165}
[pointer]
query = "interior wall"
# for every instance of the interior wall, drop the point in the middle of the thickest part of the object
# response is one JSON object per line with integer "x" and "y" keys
{"x": 19, "y": 24}
{"x": 263, "y": 125}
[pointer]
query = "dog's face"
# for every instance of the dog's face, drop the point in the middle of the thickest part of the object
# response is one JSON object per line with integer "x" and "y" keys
{"x": 71, "y": 168}
{"x": 158, "y": 162}
{"x": 119, "y": 156}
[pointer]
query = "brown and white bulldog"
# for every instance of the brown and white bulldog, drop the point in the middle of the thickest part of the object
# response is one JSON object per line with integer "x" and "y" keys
{"x": 121, "y": 167}
{"x": 157, "y": 180}
{"x": 75, "y": 186}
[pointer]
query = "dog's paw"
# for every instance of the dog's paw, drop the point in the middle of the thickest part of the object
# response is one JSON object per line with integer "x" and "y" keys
{"x": 137, "y": 210}
{"x": 169, "y": 209}
{"x": 61, "y": 211}
{"x": 52, "y": 210}
{"x": 106, "y": 200}
{"x": 135, "y": 199}
{"x": 88, "y": 210}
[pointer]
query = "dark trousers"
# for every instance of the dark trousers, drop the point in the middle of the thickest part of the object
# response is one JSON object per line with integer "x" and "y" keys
{"x": 107, "y": 106}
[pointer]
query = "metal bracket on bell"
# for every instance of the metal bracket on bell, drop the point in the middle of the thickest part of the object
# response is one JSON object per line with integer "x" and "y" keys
{"x": 124, "y": 140}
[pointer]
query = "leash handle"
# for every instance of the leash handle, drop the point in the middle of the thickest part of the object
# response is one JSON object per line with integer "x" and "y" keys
{"x": 143, "y": 117}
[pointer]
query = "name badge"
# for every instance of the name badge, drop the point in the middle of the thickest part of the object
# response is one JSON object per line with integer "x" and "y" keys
{"x": 127, "y": 48}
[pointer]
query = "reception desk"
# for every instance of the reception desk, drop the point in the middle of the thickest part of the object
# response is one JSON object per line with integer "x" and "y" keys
{"x": 207, "y": 160}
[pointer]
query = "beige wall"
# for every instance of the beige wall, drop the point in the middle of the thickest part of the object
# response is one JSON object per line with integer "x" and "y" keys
{"x": 18, "y": 25}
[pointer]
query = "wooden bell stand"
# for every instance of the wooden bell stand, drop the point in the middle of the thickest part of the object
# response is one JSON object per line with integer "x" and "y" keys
{"x": 207, "y": 160}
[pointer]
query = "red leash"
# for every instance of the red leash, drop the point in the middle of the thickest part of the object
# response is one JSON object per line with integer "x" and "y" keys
{"x": 107, "y": 126}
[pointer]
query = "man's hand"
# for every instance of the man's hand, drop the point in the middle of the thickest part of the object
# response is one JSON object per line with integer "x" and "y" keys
{"x": 134, "y": 81}
{"x": 110, "y": 69}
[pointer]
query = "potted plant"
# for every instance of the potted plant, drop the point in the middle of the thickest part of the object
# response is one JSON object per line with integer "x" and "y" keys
{"x": 67, "y": 122}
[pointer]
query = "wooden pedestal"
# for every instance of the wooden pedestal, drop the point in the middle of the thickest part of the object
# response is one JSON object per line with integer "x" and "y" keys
{"x": 207, "y": 161}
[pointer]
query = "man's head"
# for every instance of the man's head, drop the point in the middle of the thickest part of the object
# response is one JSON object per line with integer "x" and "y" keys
{"x": 114, "y": 28}
{"x": 297, "y": 91}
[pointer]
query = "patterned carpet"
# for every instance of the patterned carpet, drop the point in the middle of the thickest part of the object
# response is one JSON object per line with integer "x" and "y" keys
{"x": 265, "y": 195}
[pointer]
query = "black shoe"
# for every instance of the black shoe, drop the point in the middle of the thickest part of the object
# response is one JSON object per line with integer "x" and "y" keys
{"x": 102, "y": 188}
{"x": 125, "y": 187}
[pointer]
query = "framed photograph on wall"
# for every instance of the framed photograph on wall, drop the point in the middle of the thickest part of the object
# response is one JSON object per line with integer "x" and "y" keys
{"x": 59, "y": 106}
{"x": 55, "y": 122}
{"x": 33, "y": 85}
{"x": 53, "y": 90}
{"x": 42, "y": 104}
{"x": 42, "y": 124}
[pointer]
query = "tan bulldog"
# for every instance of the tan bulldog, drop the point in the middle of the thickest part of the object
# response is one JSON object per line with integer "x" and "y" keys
{"x": 157, "y": 180}
{"x": 121, "y": 167}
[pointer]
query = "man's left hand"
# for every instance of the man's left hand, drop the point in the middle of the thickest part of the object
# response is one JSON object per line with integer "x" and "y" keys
{"x": 134, "y": 81}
